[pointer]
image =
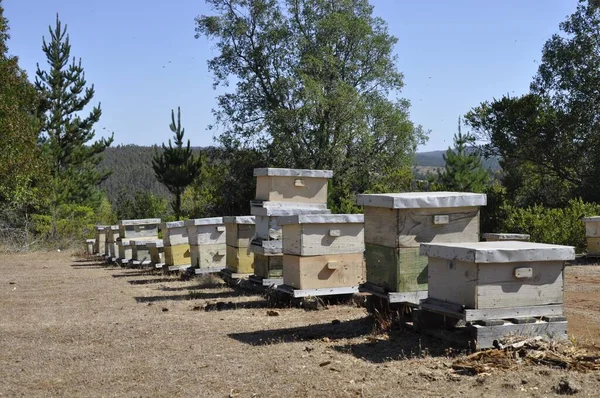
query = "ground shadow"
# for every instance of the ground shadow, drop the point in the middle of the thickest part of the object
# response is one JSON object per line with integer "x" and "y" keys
{"x": 404, "y": 343}
{"x": 152, "y": 299}
{"x": 134, "y": 274}
{"x": 88, "y": 266}
{"x": 86, "y": 260}
{"x": 193, "y": 295}
{"x": 199, "y": 286}
{"x": 333, "y": 331}
{"x": 149, "y": 281}
{"x": 223, "y": 306}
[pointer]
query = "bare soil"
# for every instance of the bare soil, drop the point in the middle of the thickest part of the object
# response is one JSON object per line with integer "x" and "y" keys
{"x": 70, "y": 327}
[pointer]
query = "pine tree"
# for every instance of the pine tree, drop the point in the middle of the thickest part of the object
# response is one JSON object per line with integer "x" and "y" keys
{"x": 464, "y": 169}
{"x": 67, "y": 135}
{"x": 176, "y": 167}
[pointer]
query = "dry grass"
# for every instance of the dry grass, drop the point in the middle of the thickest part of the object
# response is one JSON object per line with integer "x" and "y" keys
{"x": 79, "y": 328}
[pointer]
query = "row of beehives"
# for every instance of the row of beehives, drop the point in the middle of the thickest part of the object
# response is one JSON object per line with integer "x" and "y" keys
{"x": 414, "y": 244}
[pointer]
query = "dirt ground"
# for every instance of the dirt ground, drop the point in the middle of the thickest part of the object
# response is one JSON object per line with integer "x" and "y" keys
{"x": 70, "y": 327}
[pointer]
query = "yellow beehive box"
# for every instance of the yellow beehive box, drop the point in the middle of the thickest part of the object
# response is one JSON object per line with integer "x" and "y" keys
{"x": 240, "y": 260}
{"x": 325, "y": 271}
{"x": 292, "y": 185}
{"x": 177, "y": 255}
{"x": 239, "y": 230}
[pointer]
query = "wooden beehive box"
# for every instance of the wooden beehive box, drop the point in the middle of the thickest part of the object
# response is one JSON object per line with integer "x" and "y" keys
{"x": 292, "y": 185}
{"x": 140, "y": 251}
{"x": 495, "y": 237}
{"x": 397, "y": 223}
{"x": 112, "y": 233}
{"x": 240, "y": 260}
{"x": 174, "y": 233}
{"x": 268, "y": 266}
{"x": 100, "y": 232}
{"x": 208, "y": 256}
{"x": 124, "y": 249}
{"x": 205, "y": 231}
{"x": 239, "y": 230}
{"x": 483, "y": 275}
{"x": 266, "y": 219}
{"x": 326, "y": 271}
{"x": 90, "y": 245}
{"x": 592, "y": 235}
{"x": 178, "y": 255}
{"x": 318, "y": 234}
{"x": 157, "y": 252}
{"x": 145, "y": 228}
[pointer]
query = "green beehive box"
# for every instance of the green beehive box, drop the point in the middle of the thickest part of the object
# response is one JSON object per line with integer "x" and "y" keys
{"x": 395, "y": 269}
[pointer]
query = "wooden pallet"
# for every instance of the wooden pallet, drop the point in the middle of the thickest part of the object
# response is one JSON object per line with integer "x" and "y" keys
{"x": 480, "y": 329}
{"x": 231, "y": 277}
{"x": 413, "y": 298}
{"x": 300, "y": 293}
{"x": 267, "y": 282}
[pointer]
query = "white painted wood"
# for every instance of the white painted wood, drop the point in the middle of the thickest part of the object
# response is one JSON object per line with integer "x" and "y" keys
{"x": 498, "y": 252}
{"x": 266, "y": 248}
{"x": 174, "y": 233}
{"x": 208, "y": 256}
{"x": 277, "y": 172}
{"x": 441, "y": 219}
{"x": 452, "y": 281}
{"x": 238, "y": 220}
{"x": 524, "y": 272}
{"x": 329, "y": 291}
{"x": 421, "y": 200}
{"x": 239, "y": 234}
{"x": 139, "y": 228}
{"x": 281, "y": 211}
{"x": 315, "y": 240}
{"x": 496, "y": 237}
{"x": 592, "y": 226}
{"x": 205, "y": 233}
{"x": 288, "y": 188}
{"x": 145, "y": 221}
{"x": 405, "y": 228}
{"x": 513, "y": 312}
{"x": 323, "y": 219}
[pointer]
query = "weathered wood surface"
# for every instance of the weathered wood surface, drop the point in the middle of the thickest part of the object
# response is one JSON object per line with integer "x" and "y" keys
{"x": 291, "y": 189}
{"x": 124, "y": 249}
{"x": 396, "y": 269}
{"x": 239, "y": 235}
{"x": 206, "y": 234}
{"x": 411, "y": 227}
{"x": 322, "y": 239}
{"x": 422, "y": 200}
{"x": 157, "y": 254}
{"x": 498, "y": 252}
{"x": 327, "y": 271}
{"x": 139, "y": 228}
{"x": 240, "y": 260}
{"x": 266, "y": 247}
{"x": 593, "y": 246}
{"x": 268, "y": 266}
{"x": 492, "y": 237}
{"x": 592, "y": 226}
{"x": 494, "y": 285}
{"x": 208, "y": 256}
{"x": 177, "y": 255}
{"x": 474, "y": 315}
{"x": 90, "y": 246}
{"x": 100, "y": 244}
{"x": 280, "y": 172}
{"x": 140, "y": 250}
{"x": 175, "y": 233}
{"x": 325, "y": 291}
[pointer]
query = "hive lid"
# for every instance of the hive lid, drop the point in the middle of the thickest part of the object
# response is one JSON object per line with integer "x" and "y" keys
{"x": 292, "y": 173}
{"x": 155, "y": 243}
{"x": 498, "y": 252}
{"x": 101, "y": 227}
{"x": 286, "y": 211}
{"x": 90, "y": 241}
{"x": 114, "y": 227}
{"x": 238, "y": 220}
{"x": 422, "y": 200}
{"x": 140, "y": 222}
{"x": 322, "y": 219}
{"x": 124, "y": 242}
{"x": 173, "y": 224}
{"x": 591, "y": 219}
{"x": 501, "y": 236}
{"x": 204, "y": 221}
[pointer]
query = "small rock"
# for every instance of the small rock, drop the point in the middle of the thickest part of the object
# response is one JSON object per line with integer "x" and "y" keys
{"x": 12, "y": 283}
{"x": 149, "y": 304}
{"x": 326, "y": 339}
{"x": 325, "y": 363}
{"x": 196, "y": 308}
{"x": 272, "y": 313}
{"x": 336, "y": 322}
{"x": 567, "y": 386}
{"x": 308, "y": 349}
{"x": 165, "y": 309}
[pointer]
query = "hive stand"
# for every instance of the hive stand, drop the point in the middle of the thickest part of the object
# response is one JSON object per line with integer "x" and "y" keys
{"x": 482, "y": 292}
{"x": 395, "y": 225}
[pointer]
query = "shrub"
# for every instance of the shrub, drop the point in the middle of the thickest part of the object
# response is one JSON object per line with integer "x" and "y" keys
{"x": 66, "y": 226}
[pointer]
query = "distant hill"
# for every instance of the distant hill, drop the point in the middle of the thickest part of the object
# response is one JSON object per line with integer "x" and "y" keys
{"x": 132, "y": 169}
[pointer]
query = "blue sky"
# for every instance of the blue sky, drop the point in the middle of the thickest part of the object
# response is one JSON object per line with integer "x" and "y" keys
{"x": 144, "y": 61}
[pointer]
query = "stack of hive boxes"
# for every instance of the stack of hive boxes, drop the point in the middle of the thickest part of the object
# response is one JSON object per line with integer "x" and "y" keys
{"x": 112, "y": 233}
{"x": 592, "y": 235}
{"x": 397, "y": 223}
{"x": 133, "y": 238}
{"x": 206, "y": 237}
{"x": 176, "y": 245}
{"x": 239, "y": 233}
{"x": 282, "y": 192}
{"x": 157, "y": 253}
{"x": 90, "y": 246}
{"x": 323, "y": 251}
{"x": 100, "y": 244}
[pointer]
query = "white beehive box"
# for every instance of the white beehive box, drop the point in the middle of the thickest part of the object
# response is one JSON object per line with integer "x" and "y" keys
{"x": 484, "y": 275}
{"x": 495, "y": 237}
{"x": 266, "y": 219}
{"x": 292, "y": 185}
{"x": 124, "y": 249}
{"x": 100, "y": 232}
{"x": 144, "y": 228}
{"x": 240, "y": 230}
{"x": 174, "y": 233}
{"x": 157, "y": 251}
{"x": 592, "y": 234}
{"x": 205, "y": 231}
{"x": 319, "y": 234}
{"x": 112, "y": 233}
{"x": 90, "y": 245}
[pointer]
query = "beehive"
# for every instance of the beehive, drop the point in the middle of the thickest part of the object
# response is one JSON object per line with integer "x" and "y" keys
{"x": 268, "y": 266}
{"x": 174, "y": 233}
{"x": 124, "y": 249}
{"x": 292, "y": 185}
{"x": 90, "y": 245}
{"x": 239, "y": 234}
{"x": 157, "y": 252}
{"x": 592, "y": 235}
{"x": 112, "y": 233}
{"x": 397, "y": 223}
{"x": 503, "y": 274}
{"x": 266, "y": 219}
{"x": 323, "y": 251}
{"x": 206, "y": 237}
{"x": 177, "y": 255}
{"x": 100, "y": 232}
{"x": 502, "y": 237}
{"x": 137, "y": 229}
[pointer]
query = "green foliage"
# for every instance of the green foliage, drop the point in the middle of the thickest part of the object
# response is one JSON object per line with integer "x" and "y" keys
{"x": 141, "y": 205}
{"x": 68, "y": 223}
{"x": 464, "y": 171}
{"x": 176, "y": 167}
{"x": 494, "y": 213}
{"x": 66, "y": 135}
{"x": 549, "y": 139}
{"x": 546, "y": 225}
{"x": 314, "y": 78}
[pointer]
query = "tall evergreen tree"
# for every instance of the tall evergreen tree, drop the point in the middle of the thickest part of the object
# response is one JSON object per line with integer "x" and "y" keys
{"x": 464, "y": 169}
{"x": 67, "y": 135}
{"x": 176, "y": 167}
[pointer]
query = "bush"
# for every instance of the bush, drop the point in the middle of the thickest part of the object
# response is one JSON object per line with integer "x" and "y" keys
{"x": 562, "y": 226}
{"x": 68, "y": 225}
